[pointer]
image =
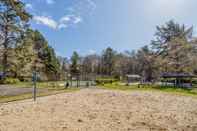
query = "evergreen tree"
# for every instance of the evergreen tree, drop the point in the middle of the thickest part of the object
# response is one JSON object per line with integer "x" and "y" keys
{"x": 46, "y": 60}
{"x": 108, "y": 59}
{"x": 13, "y": 18}
{"x": 168, "y": 32}
{"x": 74, "y": 68}
{"x": 24, "y": 57}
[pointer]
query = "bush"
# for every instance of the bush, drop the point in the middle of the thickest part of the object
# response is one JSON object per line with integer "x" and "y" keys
{"x": 171, "y": 80}
{"x": 127, "y": 84}
{"x": 105, "y": 81}
{"x": 9, "y": 81}
{"x": 194, "y": 81}
{"x": 87, "y": 84}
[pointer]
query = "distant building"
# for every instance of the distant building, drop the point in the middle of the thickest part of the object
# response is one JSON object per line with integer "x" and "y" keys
{"x": 133, "y": 78}
{"x": 178, "y": 79}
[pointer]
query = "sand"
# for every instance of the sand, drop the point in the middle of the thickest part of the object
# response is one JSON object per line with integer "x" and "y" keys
{"x": 101, "y": 110}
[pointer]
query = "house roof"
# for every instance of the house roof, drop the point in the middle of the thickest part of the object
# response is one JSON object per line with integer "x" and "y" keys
{"x": 133, "y": 76}
{"x": 175, "y": 75}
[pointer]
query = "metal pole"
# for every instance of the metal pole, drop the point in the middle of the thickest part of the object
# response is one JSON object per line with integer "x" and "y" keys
{"x": 71, "y": 84}
{"x": 77, "y": 81}
{"x": 35, "y": 91}
{"x": 34, "y": 79}
{"x": 34, "y": 87}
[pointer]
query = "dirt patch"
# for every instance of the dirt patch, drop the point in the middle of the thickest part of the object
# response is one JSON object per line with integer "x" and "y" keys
{"x": 102, "y": 110}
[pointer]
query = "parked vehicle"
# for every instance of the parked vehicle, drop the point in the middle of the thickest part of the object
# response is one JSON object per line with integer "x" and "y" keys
{"x": 2, "y": 75}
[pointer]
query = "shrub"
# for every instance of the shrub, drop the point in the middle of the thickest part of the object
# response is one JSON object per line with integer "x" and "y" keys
{"x": 185, "y": 80}
{"x": 127, "y": 84}
{"x": 194, "y": 81}
{"x": 87, "y": 84}
{"x": 9, "y": 81}
{"x": 102, "y": 81}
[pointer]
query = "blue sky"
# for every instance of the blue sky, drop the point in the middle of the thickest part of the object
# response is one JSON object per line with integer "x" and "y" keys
{"x": 89, "y": 26}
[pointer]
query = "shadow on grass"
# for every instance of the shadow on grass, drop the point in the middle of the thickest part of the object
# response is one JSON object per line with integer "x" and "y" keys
{"x": 168, "y": 89}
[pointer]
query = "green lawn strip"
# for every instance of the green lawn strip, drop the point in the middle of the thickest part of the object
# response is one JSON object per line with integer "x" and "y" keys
{"x": 177, "y": 91}
{"x": 5, "y": 99}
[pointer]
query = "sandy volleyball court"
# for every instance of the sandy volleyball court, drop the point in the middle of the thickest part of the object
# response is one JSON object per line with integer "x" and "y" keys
{"x": 102, "y": 110}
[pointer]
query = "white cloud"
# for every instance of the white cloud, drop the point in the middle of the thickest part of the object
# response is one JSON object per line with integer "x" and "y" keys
{"x": 46, "y": 21}
{"x": 29, "y": 6}
{"x": 65, "y": 19}
{"x": 50, "y": 2}
{"x": 75, "y": 14}
{"x": 68, "y": 20}
{"x": 62, "y": 26}
{"x": 77, "y": 20}
{"x": 63, "y": 23}
{"x": 91, "y": 52}
{"x": 71, "y": 18}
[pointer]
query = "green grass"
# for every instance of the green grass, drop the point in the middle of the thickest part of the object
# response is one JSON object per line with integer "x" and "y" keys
{"x": 5, "y": 99}
{"x": 173, "y": 90}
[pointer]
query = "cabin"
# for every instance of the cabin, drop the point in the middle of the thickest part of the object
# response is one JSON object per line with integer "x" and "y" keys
{"x": 183, "y": 80}
{"x": 133, "y": 78}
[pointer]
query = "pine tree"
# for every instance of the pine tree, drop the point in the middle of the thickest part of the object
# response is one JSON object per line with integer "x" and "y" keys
{"x": 13, "y": 18}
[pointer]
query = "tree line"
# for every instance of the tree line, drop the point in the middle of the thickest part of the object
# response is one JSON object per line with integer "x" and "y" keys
{"x": 173, "y": 50}
{"x": 24, "y": 50}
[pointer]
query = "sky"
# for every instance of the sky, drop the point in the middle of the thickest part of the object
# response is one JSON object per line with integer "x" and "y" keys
{"x": 89, "y": 26}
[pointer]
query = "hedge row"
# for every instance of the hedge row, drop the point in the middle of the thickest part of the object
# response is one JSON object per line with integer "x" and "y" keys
{"x": 105, "y": 81}
{"x": 9, "y": 81}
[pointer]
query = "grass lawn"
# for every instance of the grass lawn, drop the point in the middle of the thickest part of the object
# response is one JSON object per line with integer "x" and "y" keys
{"x": 178, "y": 91}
